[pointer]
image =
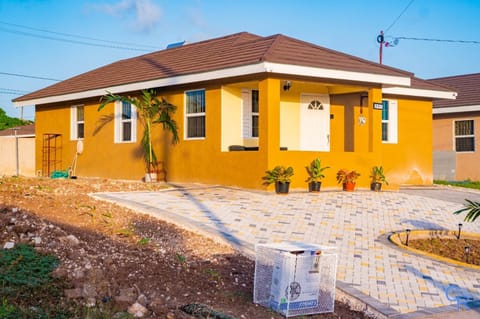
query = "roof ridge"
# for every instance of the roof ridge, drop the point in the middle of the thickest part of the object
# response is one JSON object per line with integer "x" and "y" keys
{"x": 282, "y": 36}
{"x": 272, "y": 46}
{"x": 455, "y": 76}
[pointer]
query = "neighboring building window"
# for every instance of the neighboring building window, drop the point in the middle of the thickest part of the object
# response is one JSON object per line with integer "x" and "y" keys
{"x": 77, "y": 116}
{"x": 464, "y": 136}
{"x": 125, "y": 122}
{"x": 390, "y": 121}
{"x": 195, "y": 114}
{"x": 250, "y": 113}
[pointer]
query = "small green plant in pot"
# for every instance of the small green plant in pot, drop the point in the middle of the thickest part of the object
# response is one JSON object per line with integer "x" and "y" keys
{"x": 315, "y": 175}
{"x": 280, "y": 176}
{"x": 348, "y": 179}
{"x": 378, "y": 178}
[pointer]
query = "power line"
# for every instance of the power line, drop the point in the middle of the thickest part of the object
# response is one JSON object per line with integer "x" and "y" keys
{"x": 399, "y": 16}
{"x": 30, "y": 76}
{"x": 12, "y": 91}
{"x": 72, "y": 41}
{"x": 79, "y": 36}
{"x": 438, "y": 40}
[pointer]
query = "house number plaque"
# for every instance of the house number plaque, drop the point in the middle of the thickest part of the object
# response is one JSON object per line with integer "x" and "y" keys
{"x": 377, "y": 106}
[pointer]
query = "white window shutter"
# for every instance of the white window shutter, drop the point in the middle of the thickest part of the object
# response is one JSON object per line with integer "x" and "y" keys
{"x": 73, "y": 123}
{"x": 117, "y": 122}
{"x": 246, "y": 113}
{"x": 393, "y": 121}
{"x": 134, "y": 123}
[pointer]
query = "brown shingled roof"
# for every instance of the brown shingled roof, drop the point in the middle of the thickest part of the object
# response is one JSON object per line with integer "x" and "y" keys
{"x": 467, "y": 87}
{"x": 25, "y": 130}
{"x": 225, "y": 52}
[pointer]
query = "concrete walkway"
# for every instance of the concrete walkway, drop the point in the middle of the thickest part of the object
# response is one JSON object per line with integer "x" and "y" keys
{"x": 395, "y": 283}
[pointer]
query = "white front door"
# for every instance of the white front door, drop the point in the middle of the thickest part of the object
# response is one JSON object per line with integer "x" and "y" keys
{"x": 315, "y": 122}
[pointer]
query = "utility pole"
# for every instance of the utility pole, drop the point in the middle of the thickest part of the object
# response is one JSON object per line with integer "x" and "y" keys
{"x": 381, "y": 41}
{"x": 15, "y": 129}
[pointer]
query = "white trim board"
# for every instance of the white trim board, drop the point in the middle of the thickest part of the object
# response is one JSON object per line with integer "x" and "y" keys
{"x": 456, "y": 109}
{"x": 225, "y": 73}
{"x": 449, "y": 95}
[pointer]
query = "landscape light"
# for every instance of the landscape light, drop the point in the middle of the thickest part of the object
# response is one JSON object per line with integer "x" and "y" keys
{"x": 408, "y": 235}
{"x": 459, "y": 230}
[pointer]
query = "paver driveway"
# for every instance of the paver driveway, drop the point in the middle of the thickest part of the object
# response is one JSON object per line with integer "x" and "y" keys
{"x": 356, "y": 223}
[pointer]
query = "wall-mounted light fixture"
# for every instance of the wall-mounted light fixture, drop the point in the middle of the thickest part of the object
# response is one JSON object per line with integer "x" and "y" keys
{"x": 287, "y": 85}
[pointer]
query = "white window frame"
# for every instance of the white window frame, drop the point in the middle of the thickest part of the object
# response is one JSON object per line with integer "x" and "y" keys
{"x": 465, "y": 136}
{"x": 392, "y": 122}
{"x": 119, "y": 121}
{"x": 74, "y": 122}
{"x": 199, "y": 114}
{"x": 248, "y": 114}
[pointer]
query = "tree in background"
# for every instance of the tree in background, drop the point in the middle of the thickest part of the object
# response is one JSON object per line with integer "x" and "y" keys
{"x": 7, "y": 122}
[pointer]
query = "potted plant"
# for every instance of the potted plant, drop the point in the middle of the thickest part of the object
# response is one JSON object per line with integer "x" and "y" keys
{"x": 151, "y": 110}
{"x": 348, "y": 179}
{"x": 378, "y": 178}
{"x": 315, "y": 175}
{"x": 280, "y": 175}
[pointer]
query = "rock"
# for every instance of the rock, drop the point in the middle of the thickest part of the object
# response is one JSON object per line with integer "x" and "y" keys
{"x": 142, "y": 299}
{"x": 122, "y": 301}
{"x": 70, "y": 240}
{"x": 73, "y": 293}
{"x": 60, "y": 273}
{"x": 89, "y": 290}
{"x": 9, "y": 245}
{"x": 37, "y": 241}
{"x": 170, "y": 315}
{"x": 137, "y": 310}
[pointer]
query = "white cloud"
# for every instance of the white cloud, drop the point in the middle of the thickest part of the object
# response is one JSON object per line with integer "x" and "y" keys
{"x": 145, "y": 13}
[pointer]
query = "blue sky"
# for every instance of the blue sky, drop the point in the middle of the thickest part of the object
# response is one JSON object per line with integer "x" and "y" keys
{"x": 350, "y": 26}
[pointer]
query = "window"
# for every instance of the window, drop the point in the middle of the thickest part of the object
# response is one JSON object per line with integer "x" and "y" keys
{"x": 195, "y": 114}
{"x": 389, "y": 121}
{"x": 464, "y": 136}
{"x": 250, "y": 113}
{"x": 125, "y": 122}
{"x": 254, "y": 113}
{"x": 77, "y": 126}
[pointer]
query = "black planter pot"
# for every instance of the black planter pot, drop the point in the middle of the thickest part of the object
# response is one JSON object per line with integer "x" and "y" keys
{"x": 376, "y": 186}
{"x": 282, "y": 187}
{"x": 314, "y": 186}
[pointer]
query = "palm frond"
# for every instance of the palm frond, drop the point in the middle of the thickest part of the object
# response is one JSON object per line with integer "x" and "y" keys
{"x": 473, "y": 210}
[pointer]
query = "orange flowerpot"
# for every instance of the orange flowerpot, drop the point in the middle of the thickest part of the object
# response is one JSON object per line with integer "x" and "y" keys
{"x": 349, "y": 186}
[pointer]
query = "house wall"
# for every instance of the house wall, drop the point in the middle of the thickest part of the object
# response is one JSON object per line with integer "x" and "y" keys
{"x": 208, "y": 160}
{"x": 410, "y": 160}
{"x": 26, "y": 156}
{"x": 465, "y": 165}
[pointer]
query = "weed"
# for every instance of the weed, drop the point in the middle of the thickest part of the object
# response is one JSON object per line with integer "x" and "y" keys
{"x": 8, "y": 311}
{"x": 214, "y": 275}
{"x": 181, "y": 258}
{"x": 144, "y": 241}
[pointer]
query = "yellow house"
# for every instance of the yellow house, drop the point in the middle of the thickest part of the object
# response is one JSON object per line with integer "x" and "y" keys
{"x": 245, "y": 104}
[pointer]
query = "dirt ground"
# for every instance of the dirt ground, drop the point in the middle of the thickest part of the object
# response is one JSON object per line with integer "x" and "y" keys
{"x": 110, "y": 253}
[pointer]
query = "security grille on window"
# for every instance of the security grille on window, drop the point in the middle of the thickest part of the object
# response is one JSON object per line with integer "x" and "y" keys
{"x": 254, "y": 113}
{"x": 464, "y": 136}
{"x": 195, "y": 113}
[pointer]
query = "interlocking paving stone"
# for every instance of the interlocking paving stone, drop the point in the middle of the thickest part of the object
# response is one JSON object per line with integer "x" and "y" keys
{"x": 356, "y": 223}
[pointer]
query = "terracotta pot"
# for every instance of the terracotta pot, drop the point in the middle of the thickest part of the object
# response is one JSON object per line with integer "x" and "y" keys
{"x": 314, "y": 186}
{"x": 349, "y": 186}
{"x": 376, "y": 186}
{"x": 282, "y": 187}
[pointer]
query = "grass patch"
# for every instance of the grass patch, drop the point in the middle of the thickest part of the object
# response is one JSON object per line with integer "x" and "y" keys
{"x": 466, "y": 184}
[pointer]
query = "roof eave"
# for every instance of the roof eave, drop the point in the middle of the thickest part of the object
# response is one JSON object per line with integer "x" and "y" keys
{"x": 433, "y": 94}
{"x": 456, "y": 109}
{"x": 262, "y": 67}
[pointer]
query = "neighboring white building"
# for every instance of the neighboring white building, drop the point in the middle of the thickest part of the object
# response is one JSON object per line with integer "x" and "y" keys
{"x": 17, "y": 151}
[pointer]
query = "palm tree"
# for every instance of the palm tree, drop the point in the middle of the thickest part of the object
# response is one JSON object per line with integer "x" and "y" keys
{"x": 151, "y": 110}
{"x": 473, "y": 210}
